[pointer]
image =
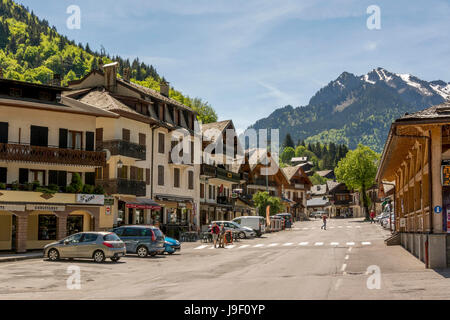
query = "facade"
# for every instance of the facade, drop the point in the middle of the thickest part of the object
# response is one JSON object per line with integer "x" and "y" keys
{"x": 299, "y": 185}
{"x": 416, "y": 156}
{"x": 44, "y": 141}
{"x": 344, "y": 202}
{"x": 148, "y": 186}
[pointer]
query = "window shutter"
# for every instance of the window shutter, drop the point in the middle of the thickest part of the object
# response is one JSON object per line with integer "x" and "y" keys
{"x": 99, "y": 135}
{"x": 53, "y": 177}
{"x": 161, "y": 143}
{"x": 191, "y": 180}
{"x": 142, "y": 139}
{"x": 3, "y": 175}
{"x": 126, "y": 135}
{"x": 147, "y": 176}
{"x": 3, "y": 132}
{"x": 63, "y": 138}
{"x": 62, "y": 178}
{"x": 23, "y": 176}
{"x": 133, "y": 173}
{"x": 202, "y": 190}
{"x": 160, "y": 175}
{"x": 89, "y": 141}
{"x": 106, "y": 172}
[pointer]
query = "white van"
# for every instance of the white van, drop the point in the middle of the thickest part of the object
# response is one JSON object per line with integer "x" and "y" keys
{"x": 257, "y": 223}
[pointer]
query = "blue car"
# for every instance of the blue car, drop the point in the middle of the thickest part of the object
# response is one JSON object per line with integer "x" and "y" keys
{"x": 171, "y": 245}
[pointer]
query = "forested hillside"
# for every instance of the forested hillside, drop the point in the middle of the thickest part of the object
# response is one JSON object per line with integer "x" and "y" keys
{"x": 32, "y": 50}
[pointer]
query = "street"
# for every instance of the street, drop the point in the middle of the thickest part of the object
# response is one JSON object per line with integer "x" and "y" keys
{"x": 303, "y": 263}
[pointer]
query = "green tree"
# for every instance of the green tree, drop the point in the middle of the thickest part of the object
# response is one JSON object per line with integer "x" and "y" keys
{"x": 287, "y": 154}
{"x": 358, "y": 170}
{"x": 288, "y": 142}
{"x": 316, "y": 179}
{"x": 262, "y": 199}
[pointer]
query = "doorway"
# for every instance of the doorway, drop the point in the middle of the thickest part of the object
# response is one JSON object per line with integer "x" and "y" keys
{"x": 74, "y": 224}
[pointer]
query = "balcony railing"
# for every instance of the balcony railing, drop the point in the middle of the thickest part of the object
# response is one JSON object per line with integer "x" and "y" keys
{"x": 224, "y": 200}
{"x": 262, "y": 182}
{"x": 228, "y": 175}
{"x": 20, "y": 152}
{"x": 123, "y": 148}
{"x": 123, "y": 186}
{"x": 208, "y": 170}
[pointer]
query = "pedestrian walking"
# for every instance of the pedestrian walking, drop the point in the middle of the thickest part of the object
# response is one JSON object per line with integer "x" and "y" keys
{"x": 372, "y": 216}
{"x": 324, "y": 219}
{"x": 215, "y": 231}
{"x": 222, "y": 236}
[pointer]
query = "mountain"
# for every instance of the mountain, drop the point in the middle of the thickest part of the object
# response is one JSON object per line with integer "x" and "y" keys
{"x": 31, "y": 50}
{"x": 356, "y": 109}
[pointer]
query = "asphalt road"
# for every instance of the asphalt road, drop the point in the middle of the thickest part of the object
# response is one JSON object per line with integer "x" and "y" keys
{"x": 303, "y": 263}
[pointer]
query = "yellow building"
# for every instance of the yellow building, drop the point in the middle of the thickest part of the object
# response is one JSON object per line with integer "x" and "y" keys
{"x": 417, "y": 157}
{"x": 44, "y": 140}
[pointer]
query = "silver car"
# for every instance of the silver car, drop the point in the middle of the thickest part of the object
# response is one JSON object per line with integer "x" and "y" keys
{"x": 242, "y": 232}
{"x": 90, "y": 245}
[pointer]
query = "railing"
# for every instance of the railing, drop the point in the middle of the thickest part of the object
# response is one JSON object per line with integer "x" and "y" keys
{"x": 228, "y": 175}
{"x": 343, "y": 202}
{"x": 20, "y": 152}
{"x": 224, "y": 200}
{"x": 208, "y": 170}
{"x": 123, "y": 148}
{"x": 262, "y": 182}
{"x": 123, "y": 186}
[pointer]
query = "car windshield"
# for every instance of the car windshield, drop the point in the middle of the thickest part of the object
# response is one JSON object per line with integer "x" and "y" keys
{"x": 158, "y": 233}
{"x": 111, "y": 237}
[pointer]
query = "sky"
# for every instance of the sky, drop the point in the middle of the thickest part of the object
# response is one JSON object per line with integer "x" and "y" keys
{"x": 249, "y": 57}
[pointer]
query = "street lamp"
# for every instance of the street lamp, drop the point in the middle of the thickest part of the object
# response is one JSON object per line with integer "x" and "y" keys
{"x": 120, "y": 164}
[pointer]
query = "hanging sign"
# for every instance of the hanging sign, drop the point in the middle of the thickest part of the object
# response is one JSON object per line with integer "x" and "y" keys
{"x": 445, "y": 173}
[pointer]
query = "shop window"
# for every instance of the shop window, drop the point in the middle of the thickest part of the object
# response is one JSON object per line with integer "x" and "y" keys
{"x": 47, "y": 227}
{"x": 74, "y": 224}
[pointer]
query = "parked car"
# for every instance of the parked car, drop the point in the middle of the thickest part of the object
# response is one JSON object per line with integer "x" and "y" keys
{"x": 142, "y": 240}
{"x": 242, "y": 232}
{"x": 257, "y": 223}
{"x": 171, "y": 245}
{"x": 88, "y": 245}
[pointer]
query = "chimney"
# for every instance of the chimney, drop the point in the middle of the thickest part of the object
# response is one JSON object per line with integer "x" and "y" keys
{"x": 56, "y": 80}
{"x": 126, "y": 74}
{"x": 164, "y": 88}
{"x": 110, "y": 71}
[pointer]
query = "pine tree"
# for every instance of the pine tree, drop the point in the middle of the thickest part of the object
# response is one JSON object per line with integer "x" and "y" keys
{"x": 288, "y": 142}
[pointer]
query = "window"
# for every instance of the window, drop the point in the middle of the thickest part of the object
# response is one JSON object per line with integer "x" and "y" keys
{"x": 142, "y": 139}
{"x": 90, "y": 141}
{"x": 89, "y": 178}
{"x": 3, "y": 175}
{"x": 39, "y": 136}
{"x": 202, "y": 190}
{"x": 89, "y": 237}
{"x": 98, "y": 173}
{"x": 47, "y": 227}
{"x": 23, "y": 176}
{"x": 140, "y": 174}
{"x": 191, "y": 180}
{"x": 131, "y": 232}
{"x": 111, "y": 237}
{"x": 74, "y": 239}
{"x": 161, "y": 142}
{"x": 119, "y": 231}
{"x": 74, "y": 224}
{"x": 176, "y": 178}
{"x": 160, "y": 175}
{"x": 37, "y": 175}
{"x": 122, "y": 173}
{"x": 210, "y": 191}
{"x": 74, "y": 140}
{"x": 126, "y": 135}
{"x": 3, "y": 132}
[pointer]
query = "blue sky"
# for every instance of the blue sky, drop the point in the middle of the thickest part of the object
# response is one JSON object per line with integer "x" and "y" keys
{"x": 249, "y": 57}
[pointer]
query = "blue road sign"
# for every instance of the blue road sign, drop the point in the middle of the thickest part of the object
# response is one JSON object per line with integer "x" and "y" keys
{"x": 438, "y": 209}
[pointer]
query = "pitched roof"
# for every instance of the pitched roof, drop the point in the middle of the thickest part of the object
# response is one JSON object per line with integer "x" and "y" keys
{"x": 319, "y": 189}
{"x": 437, "y": 112}
{"x": 220, "y": 126}
{"x": 324, "y": 173}
{"x": 317, "y": 202}
{"x": 332, "y": 184}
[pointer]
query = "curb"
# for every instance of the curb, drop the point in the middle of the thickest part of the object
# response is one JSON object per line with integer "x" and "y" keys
{"x": 12, "y": 259}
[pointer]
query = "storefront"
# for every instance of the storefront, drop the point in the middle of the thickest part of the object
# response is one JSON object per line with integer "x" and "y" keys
{"x": 137, "y": 211}
{"x": 177, "y": 214}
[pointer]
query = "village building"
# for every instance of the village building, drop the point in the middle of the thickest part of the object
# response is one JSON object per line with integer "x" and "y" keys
{"x": 299, "y": 185}
{"x": 344, "y": 202}
{"x": 327, "y": 174}
{"x": 417, "y": 156}
{"x": 147, "y": 185}
{"x": 45, "y": 140}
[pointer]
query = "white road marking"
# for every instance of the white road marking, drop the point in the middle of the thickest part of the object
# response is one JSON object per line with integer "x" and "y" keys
{"x": 338, "y": 284}
{"x": 349, "y": 226}
{"x": 230, "y": 247}
{"x": 331, "y": 227}
{"x": 358, "y": 227}
{"x": 212, "y": 247}
{"x": 305, "y": 228}
{"x": 340, "y": 227}
{"x": 273, "y": 244}
{"x": 318, "y": 244}
{"x": 350, "y": 249}
{"x": 244, "y": 246}
{"x": 350, "y": 243}
{"x": 343, "y": 267}
{"x": 201, "y": 247}
{"x": 288, "y": 244}
{"x": 334, "y": 243}
{"x": 346, "y": 257}
{"x": 303, "y": 243}
{"x": 366, "y": 243}
{"x": 258, "y": 245}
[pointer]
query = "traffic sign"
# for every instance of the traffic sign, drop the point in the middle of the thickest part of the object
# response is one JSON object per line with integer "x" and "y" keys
{"x": 438, "y": 209}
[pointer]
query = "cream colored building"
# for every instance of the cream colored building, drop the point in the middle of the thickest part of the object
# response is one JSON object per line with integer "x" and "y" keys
{"x": 44, "y": 140}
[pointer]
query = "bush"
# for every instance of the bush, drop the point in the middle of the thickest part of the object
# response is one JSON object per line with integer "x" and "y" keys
{"x": 2, "y": 186}
{"x": 15, "y": 185}
{"x": 88, "y": 189}
{"x": 76, "y": 186}
{"x": 53, "y": 187}
{"x": 99, "y": 190}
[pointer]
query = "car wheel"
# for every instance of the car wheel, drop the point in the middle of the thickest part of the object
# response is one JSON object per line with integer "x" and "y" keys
{"x": 241, "y": 235}
{"x": 115, "y": 259}
{"x": 53, "y": 255}
{"x": 99, "y": 256}
{"x": 171, "y": 252}
{"x": 142, "y": 252}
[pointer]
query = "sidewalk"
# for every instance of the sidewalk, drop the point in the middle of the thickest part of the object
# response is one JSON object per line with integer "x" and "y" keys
{"x": 8, "y": 257}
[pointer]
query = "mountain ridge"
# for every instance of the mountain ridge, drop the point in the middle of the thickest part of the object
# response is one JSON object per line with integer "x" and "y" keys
{"x": 353, "y": 109}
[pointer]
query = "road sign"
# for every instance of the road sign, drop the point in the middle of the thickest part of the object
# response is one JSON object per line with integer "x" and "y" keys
{"x": 438, "y": 209}
{"x": 108, "y": 210}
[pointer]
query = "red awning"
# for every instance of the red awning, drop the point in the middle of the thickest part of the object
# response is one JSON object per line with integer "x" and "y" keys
{"x": 140, "y": 203}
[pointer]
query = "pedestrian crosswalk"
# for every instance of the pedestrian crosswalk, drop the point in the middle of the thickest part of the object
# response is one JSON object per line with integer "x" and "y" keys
{"x": 328, "y": 227}
{"x": 290, "y": 244}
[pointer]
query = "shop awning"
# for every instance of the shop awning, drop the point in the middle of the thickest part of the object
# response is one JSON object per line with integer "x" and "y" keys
{"x": 140, "y": 203}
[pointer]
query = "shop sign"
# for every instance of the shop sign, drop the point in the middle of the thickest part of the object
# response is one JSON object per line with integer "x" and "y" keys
{"x": 402, "y": 222}
{"x": 91, "y": 199}
{"x": 181, "y": 205}
{"x": 11, "y": 207}
{"x": 109, "y": 201}
{"x": 44, "y": 207}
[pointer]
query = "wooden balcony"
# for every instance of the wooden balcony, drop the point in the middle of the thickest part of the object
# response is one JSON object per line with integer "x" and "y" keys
{"x": 124, "y": 148}
{"x": 27, "y": 153}
{"x": 123, "y": 186}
